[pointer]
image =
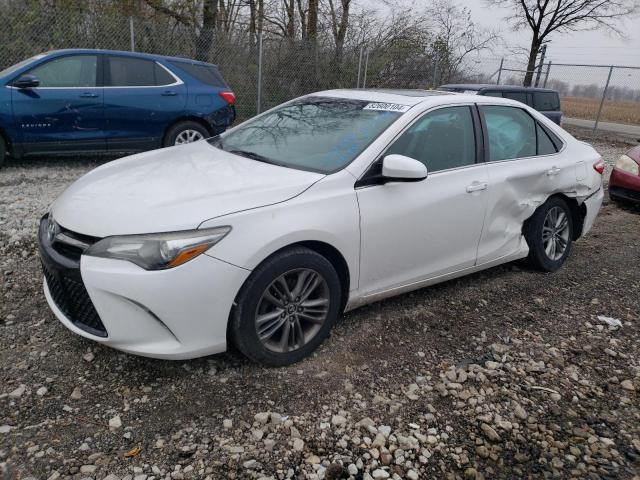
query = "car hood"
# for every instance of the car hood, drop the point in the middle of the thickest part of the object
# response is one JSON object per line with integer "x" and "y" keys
{"x": 173, "y": 189}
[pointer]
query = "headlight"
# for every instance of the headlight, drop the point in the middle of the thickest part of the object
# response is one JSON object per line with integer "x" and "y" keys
{"x": 627, "y": 164}
{"x": 158, "y": 251}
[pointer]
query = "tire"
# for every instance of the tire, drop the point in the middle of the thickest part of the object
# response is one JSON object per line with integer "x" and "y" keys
{"x": 254, "y": 302}
{"x": 3, "y": 152}
{"x": 549, "y": 255}
{"x": 184, "y": 129}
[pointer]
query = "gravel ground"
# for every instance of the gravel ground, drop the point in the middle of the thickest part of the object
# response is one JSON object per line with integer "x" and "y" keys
{"x": 508, "y": 373}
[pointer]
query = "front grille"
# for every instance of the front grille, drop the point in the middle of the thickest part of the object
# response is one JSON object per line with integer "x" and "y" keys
{"x": 71, "y": 244}
{"x": 72, "y": 298}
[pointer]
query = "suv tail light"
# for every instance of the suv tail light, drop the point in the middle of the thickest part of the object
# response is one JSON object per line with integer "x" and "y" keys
{"x": 228, "y": 97}
{"x": 598, "y": 166}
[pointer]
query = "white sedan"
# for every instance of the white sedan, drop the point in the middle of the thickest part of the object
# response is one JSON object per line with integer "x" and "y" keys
{"x": 264, "y": 235}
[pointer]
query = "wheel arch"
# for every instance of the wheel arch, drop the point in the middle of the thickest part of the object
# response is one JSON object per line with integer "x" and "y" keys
{"x": 328, "y": 251}
{"x": 187, "y": 118}
{"x": 578, "y": 214}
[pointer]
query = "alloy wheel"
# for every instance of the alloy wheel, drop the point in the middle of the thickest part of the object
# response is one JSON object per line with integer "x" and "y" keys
{"x": 555, "y": 233}
{"x": 292, "y": 310}
{"x": 188, "y": 136}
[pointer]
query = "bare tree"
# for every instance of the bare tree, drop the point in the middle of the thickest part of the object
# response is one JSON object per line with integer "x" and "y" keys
{"x": 544, "y": 17}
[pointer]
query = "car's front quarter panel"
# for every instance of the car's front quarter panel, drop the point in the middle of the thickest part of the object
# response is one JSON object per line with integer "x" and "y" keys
{"x": 326, "y": 212}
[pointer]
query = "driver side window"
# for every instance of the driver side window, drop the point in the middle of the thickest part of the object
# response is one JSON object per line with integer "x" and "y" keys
{"x": 442, "y": 139}
{"x": 511, "y": 132}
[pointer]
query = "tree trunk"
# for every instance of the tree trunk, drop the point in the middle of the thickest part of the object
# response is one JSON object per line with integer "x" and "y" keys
{"x": 290, "y": 8}
{"x": 531, "y": 64}
{"x": 312, "y": 21}
{"x": 209, "y": 18}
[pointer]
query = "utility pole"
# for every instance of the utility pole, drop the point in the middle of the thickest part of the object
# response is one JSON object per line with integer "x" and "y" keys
{"x": 500, "y": 71}
{"x": 543, "y": 52}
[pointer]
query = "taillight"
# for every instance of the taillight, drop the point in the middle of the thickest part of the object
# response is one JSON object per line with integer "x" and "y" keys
{"x": 228, "y": 97}
{"x": 599, "y": 166}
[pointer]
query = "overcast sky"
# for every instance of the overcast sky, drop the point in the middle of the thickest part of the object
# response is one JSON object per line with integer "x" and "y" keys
{"x": 593, "y": 47}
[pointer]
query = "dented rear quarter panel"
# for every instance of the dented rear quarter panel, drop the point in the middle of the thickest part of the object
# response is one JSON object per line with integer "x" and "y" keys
{"x": 518, "y": 187}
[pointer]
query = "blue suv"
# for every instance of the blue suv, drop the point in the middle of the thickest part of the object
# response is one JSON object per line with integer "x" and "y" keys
{"x": 90, "y": 101}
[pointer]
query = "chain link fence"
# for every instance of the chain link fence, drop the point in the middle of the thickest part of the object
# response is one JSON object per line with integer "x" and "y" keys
{"x": 599, "y": 93}
{"x": 268, "y": 69}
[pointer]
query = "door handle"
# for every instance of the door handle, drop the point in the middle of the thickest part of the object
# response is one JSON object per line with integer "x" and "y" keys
{"x": 88, "y": 95}
{"x": 169, "y": 93}
{"x": 476, "y": 187}
{"x": 553, "y": 171}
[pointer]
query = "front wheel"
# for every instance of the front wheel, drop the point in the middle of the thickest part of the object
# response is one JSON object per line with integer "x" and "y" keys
{"x": 549, "y": 235}
{"x": 185, "y": 132}
{"x": 286, "y": 308}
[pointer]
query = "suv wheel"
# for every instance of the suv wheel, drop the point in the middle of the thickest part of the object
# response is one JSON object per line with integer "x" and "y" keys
{"x": 550, "y": 235}
{"x": 286, "y": 308}
{"x": 185, "y": 132}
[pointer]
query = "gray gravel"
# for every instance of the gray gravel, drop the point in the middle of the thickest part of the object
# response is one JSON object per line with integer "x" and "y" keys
{"x": 508, "y": 373}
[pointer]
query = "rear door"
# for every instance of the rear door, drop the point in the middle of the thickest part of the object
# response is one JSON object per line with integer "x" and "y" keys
{"x": 65, "y": 112}
{"x": 141, "y": 99}
{"x": 524, "y": 169}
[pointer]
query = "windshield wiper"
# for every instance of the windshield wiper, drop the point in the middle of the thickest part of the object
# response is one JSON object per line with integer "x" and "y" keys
{"x": 253, "y": 156}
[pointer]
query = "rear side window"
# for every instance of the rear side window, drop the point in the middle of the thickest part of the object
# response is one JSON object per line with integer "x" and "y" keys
{"x": 442, "y": 139}
{"x": 491, "y": 93}
{"x": 546, "y": 101}
{"x": 518, "y": 96}
{"x": 74, "y": 71}
{"x": 136, "y": 72}
{"x": 545, "y": 145}
{"x": 511, "y": 132}
{"x": 207, "y": 74}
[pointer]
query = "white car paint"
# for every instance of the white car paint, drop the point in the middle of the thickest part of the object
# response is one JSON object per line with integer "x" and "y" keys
{"x": 393, "y": 237}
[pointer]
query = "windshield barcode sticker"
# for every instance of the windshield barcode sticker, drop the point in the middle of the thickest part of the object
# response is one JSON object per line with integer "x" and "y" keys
{"x": 387, "y": 107}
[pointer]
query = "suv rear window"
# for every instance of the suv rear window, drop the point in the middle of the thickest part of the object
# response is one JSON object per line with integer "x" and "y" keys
{"x": 546, "y": 101}
{"x": 207, "y": 74}
{"x": 136, "y": 72}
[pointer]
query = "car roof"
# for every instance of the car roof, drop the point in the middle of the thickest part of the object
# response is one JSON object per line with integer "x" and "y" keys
{"x": 385, "y": 95}
{"x": 149, "y": 56}
{"x": 488, "y": 86}
{"x": 414, "y": 97}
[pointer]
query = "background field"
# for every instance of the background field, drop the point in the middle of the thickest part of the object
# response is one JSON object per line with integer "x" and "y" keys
{"x": 613, "y": 111}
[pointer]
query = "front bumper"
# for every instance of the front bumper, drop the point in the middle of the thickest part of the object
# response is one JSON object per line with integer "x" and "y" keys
{"x": 176, "y": 314}
{"x": 624, "y": 186}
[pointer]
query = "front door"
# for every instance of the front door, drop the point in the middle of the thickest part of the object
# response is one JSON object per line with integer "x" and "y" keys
{"x": 413, "y": 231}
{"x": 64, "y": 113}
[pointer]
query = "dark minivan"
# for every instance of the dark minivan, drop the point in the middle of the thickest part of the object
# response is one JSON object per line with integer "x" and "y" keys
{"x": 545, "y": 100}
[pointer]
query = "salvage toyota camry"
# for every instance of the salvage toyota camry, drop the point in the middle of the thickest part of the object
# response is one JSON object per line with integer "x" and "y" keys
{"x": 264, "y": 235}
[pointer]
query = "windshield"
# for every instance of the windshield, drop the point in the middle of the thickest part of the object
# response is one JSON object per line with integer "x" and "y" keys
{"x": 13, "y": 68}
{"x": 315, "y": 133}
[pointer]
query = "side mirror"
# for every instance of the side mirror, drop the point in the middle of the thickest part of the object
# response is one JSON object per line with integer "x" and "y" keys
{"x": 27, "y": 81}
{"x": 398, "y": 168}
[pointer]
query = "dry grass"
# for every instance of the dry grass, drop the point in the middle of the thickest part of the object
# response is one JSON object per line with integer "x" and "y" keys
{"x": 612, "y": 111}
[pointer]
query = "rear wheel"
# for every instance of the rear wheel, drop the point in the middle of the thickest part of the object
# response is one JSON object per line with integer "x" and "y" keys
{"x": 550, "y": 235}
{"x": 185, "y": 132}
{"x": 286, "y": 308}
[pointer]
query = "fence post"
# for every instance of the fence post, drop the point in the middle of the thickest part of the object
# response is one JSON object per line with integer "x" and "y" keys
{"x": 435, "y": 71}
{"x": 604, "y": 95}
{"x": 366, "y": 65}
{"x": 546, "y": 75}
{"x": 359, "y": 67}
{"x": 132, "y": 35}
{"x": 259, "y": 99}
{"x": 500, "y": 71}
